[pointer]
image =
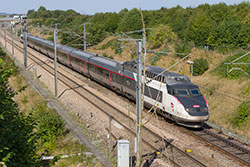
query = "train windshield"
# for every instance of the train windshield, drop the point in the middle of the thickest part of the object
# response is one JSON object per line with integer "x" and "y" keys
{"x": 195, "y": 92}
{"x": 185, "y": 92}
{"x": 181, "y": 92}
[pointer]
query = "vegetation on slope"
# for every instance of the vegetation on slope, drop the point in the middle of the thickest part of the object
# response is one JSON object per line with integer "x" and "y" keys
{"x": 17, "y": 138}
{"x": 29, "y": 129}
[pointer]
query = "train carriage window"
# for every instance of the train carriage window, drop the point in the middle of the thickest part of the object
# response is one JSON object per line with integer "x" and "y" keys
{"x": 115, "y": 77}
{"x": 159, "y": 78}
{"x": 103, "y": 72}
{"x": 163, "y": 79}
{"x": 91, "y": 67}
{"x": 153, "y": 93}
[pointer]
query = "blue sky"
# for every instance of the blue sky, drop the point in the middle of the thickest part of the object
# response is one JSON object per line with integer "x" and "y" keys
{"x": 94, "y": 6}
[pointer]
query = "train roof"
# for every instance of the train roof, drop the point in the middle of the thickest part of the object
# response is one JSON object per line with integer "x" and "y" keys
{"x": 50, "y": 43}
{"x": 171, "y": 77}
{"x": 107, "y": 61}
{"x": 81, "y": 54}
{"x": 91, "y": 57}
{"x": 78, "y": 53}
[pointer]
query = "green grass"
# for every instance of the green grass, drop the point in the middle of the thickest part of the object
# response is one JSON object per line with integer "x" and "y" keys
{"x": 222, "y": 68}
{"x": 242, "y": 117}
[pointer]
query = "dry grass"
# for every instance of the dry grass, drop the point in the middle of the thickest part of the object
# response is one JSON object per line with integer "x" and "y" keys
{"x": 27, "y": 99}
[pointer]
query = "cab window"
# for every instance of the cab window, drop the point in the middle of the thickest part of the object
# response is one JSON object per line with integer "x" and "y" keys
{"x": 181, "y": 92}
{"x": 169, "y": 91}
{"x": 195, "y": 92}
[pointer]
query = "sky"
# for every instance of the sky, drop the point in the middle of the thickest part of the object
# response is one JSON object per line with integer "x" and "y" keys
{"x": 95, "y": 6}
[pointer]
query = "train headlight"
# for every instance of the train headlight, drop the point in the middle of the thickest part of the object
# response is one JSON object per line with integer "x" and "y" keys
{"x": 205, "y": 109}
{"x": 187, "y": 109}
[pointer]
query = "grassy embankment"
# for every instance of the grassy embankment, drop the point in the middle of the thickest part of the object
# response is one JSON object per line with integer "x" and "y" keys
{"x": 54, "y": 138}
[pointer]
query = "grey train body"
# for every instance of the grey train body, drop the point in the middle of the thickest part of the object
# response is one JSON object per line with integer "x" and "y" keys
{"x": 175, "y": 96}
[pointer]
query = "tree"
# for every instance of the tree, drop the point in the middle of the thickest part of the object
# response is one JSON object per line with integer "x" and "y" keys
{"x": 17, "y": 148}
{"x": 41, "y": 9}
{"x": 199, "y": 29}
{"x": 161, "y": 35}
{"x": 32, "y": 14}
{"x": 131, "y": 21}
{"x": 206, "y": 24}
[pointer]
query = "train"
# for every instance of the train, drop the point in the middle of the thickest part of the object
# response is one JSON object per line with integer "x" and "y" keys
{"x": 175, "y": 96}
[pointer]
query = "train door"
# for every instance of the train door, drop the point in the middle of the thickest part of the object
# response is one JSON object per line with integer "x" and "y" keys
{"x": 68, "y": 60}
{"x": 169, "y": 101}
{"x": 105, "y": 76}
{"x": 116, "y": 81}
{"x": 82, "y": 64}
{"x": 121, "y": 80}
{"x": 129, "y": 84}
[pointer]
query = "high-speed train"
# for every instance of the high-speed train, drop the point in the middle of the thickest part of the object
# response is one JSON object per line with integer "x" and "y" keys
{"x": 175, "y": 95}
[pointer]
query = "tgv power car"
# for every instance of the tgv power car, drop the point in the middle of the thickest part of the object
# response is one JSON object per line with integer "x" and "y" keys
{"x": 175, "y": 95}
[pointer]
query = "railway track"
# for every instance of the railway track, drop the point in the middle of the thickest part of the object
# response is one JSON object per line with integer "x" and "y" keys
{"x": 153, "y": 141}
{"x": 226, "y": 145}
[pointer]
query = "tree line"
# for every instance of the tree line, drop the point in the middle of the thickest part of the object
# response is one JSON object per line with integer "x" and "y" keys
{"x": 214, "y": 26}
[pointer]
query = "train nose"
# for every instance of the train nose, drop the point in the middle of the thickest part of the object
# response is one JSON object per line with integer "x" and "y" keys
{"x": 202, "y": 111}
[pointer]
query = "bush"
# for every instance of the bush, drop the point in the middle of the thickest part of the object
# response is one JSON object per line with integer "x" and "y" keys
{"x": 182, "y": 48}
{"x": 49, "y": 127}
{"x": 243, "y": 114}
{"x": 2, "y": 53}
{"x": 200, "y": 66}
